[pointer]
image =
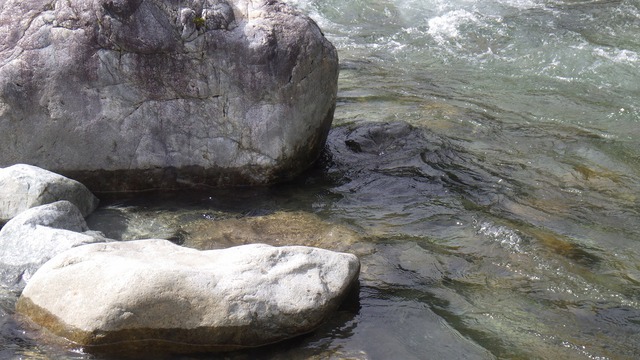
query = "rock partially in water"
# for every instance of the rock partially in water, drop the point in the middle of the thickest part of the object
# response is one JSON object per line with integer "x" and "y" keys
{"x": 401, "y": 158}
{"x": 280, "y": 228}
{"x": 38, "y": 234}
{"x": 25, "y": 186}
{"x": 394, "y": 178}
{"x": 164, "y": 93}
{"x": 153, "y": 294}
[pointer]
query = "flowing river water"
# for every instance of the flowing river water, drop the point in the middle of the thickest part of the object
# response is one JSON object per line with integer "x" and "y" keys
{"x": 484, "y": 164}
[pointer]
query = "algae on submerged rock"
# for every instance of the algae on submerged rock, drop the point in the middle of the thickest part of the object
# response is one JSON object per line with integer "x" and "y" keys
{"x": 278, "y": 229}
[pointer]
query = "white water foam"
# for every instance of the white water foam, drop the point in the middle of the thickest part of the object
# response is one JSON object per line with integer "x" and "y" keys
{"x": 447, "y": 25}
{"x": 506, "y": 237}
{"x": 620, "y": 56}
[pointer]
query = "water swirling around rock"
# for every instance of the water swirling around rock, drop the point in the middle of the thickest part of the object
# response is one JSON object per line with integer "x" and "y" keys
{"x": 443, "y": 235}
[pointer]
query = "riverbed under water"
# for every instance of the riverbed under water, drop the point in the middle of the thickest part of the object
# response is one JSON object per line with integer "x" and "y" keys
{"x": 484, "y": 164}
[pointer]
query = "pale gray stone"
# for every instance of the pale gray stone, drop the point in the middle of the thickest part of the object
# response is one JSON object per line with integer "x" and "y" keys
{"x": 132, "y": 94}
{"x": 25, "y": 186}
{"x": 161, "y": 294}
{"x": 38, "y": 234}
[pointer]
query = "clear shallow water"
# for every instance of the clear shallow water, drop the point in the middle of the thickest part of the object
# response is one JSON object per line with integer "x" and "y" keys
{"x": 540, "y": 100}
{"x": 502, "y": 222}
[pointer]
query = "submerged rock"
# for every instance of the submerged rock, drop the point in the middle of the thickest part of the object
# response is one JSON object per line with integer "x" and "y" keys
{"x": 152, "y": 294}
{"x": 280, "y": 228}
{"x": 38, "y": 234}
{"x": 164, "y": 93}
{"x": 210, "y": 229}
{"x": 25, "y": 186}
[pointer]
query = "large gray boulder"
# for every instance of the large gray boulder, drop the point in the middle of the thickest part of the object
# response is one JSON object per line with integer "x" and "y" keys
{"x": 38, "y": 234}
{"x": 24, "y": 186}
{"x": 136, "y": 94}
{"x": 153, "y": 294}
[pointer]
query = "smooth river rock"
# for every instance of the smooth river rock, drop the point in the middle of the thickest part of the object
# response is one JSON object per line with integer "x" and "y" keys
{"x": 38, "y": 234}
{"x": 24, "y": 186}
{"x": 139, "y": 94}
{"x": 153, "y": 294}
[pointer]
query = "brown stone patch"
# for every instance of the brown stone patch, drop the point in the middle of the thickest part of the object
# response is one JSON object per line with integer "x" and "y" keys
{"x": 277, "y": 229}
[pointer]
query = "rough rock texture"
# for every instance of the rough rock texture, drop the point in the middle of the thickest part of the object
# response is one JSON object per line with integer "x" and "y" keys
{"x": 152, "y": 293}
{"x": 135, "y": 94}
{"x": 38, "y": 234}
{"x": 25, "y": 186}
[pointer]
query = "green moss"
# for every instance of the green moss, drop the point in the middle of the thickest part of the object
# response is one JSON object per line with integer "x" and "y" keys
{"x": 200, "y": 22}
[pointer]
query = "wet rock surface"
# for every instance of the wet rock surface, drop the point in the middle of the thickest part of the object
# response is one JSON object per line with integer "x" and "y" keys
{"x": 154, "y": 294}
{"x": 398, "y": 160}
{"x": 165, "y": 94}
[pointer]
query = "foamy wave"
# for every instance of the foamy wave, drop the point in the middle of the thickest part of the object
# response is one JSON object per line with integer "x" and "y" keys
{"x": 619, "y": 56}
{"x": 523, "y": 4}
{"x": 447, "y": 25}
{"x": 501, "y": 234}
